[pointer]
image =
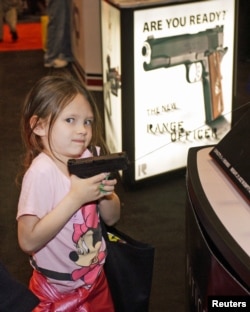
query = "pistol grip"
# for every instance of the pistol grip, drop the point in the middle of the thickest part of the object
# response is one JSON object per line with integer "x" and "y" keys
{"x": 215, "y": 106}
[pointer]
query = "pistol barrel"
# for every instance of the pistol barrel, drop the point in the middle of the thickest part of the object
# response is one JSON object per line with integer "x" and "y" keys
{"x": 182, "y": 49}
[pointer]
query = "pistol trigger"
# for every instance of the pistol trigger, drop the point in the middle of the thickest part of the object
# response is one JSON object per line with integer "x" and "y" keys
{"x": 112, "y": 176}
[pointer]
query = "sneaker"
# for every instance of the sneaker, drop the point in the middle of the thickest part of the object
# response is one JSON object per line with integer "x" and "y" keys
{"x": 57, "y": 63}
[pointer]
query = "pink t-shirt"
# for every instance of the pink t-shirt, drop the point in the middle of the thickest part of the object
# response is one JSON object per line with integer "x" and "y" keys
{"x": 78, "y": 249}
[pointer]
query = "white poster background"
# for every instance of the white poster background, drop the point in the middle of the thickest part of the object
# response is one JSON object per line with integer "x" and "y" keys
{"x": 111, "y": 48}
{"x": 164, "y": 98}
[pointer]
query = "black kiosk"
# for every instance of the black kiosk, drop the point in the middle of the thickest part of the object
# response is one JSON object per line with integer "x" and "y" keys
{"x": 217, "y": 234}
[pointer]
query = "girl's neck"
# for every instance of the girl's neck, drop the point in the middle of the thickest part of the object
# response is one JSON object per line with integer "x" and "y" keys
{"x": 61, "y": 164}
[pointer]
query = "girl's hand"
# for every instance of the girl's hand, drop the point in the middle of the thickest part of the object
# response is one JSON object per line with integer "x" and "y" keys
{"x": 90, "y": 189}
{"x": 107, "y": 187}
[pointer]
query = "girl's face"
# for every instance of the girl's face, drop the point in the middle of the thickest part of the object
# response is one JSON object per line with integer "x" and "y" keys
{"x": 72, "y": 131}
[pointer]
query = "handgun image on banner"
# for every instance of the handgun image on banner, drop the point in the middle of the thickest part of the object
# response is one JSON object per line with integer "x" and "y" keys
{"x": 113, "y": 78}
{"x": 201, "y": 53}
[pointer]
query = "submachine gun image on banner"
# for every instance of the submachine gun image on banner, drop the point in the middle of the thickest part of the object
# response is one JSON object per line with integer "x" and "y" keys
{"x": 201, "y": 53}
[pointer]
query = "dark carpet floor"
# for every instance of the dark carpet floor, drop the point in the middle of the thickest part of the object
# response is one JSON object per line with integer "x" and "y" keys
{"x": 154, "y": 213}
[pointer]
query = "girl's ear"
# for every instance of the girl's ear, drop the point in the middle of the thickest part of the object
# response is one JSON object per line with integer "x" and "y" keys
{"x": 38, "y": 126}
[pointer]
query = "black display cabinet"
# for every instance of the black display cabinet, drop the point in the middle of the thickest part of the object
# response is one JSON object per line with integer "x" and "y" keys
{"x": 217, "y": 243}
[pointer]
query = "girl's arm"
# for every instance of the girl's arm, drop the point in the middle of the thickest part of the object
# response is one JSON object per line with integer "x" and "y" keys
{"x": 34, "y": 233}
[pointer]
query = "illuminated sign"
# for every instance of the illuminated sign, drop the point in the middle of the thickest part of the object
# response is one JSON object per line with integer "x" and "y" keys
{"x": 182, "y": 68}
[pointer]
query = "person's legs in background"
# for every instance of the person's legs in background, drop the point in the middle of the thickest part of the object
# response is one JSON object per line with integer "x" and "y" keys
{"x": 58, "y": 52}
{"x": 8, "y": 14}
{"x": 66, "y": 42}
{"x": 11, "y": 20}
{"x": 1, "y": 21}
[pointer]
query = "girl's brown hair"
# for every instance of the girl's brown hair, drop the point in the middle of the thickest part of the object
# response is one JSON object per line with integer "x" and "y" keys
{"x": 48, "y": 97}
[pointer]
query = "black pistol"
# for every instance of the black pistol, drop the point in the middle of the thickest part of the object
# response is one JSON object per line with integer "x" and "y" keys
{"x": 88, "y": 167}
{"x": 201, "y": 53}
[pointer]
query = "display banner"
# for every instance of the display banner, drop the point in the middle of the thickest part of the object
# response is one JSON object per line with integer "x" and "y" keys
{"x": 111, "y": 61}
{"x": 183, "y": 81}
{"x": 168, "y": 79}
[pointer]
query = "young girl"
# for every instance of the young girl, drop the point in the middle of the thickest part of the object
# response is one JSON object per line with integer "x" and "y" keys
{"x": 58, "y": 214}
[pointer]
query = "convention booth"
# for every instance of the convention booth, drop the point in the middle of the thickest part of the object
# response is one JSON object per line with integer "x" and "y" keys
{"x": 217, "y": 235}
{"x": 168, "y": 79}
{"x": 166, "y": 69}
